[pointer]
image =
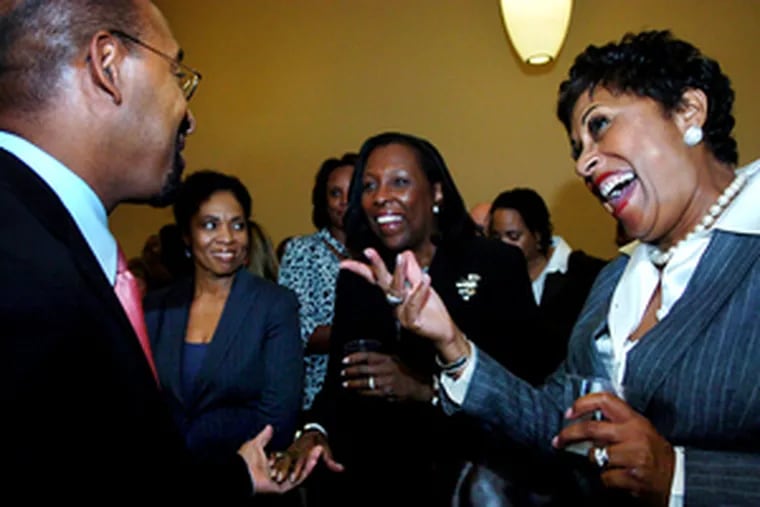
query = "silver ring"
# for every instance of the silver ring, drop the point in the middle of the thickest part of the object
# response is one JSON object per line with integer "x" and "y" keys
{"x": 601, "y": 456}
{"x": 393, "y": 299}
{"x": 371, "y": 383}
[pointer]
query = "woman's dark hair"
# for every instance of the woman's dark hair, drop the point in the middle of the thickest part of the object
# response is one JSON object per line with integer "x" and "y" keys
{"x": 319, "y": 216}
{"x": 453, "y": 221}
{"x": 198, "y": 187}
{"x": 656, "y": 65}
{"x": 262, "y": 257}
{"x": 533, "y": 211}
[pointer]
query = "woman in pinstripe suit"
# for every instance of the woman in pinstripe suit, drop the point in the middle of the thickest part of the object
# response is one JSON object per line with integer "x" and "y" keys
{"x": 675, "y": 321}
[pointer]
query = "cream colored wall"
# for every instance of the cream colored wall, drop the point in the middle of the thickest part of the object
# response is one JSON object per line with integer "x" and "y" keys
{"x": 288, "y": 83}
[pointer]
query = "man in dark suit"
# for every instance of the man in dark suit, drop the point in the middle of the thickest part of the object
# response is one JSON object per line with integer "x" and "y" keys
{"x": 93, "y": 112}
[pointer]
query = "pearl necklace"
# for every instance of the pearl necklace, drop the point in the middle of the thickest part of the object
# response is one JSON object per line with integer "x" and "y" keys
{"x": 660, "y": 258}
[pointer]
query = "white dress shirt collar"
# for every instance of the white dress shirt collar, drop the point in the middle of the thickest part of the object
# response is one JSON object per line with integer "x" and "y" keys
{"x": 557, "y": 264}
{"x": 78, "y": 198}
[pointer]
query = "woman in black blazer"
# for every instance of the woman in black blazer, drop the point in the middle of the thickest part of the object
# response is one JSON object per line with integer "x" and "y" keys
{"x": 379, "y": 408}
{"x": 561, "y": 277}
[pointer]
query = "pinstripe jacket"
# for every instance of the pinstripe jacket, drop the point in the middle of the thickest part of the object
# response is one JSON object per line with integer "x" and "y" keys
{"x": 694, "y": 375}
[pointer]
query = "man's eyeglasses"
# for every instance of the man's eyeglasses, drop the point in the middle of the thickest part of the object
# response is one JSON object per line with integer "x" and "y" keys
{"x": 187, "y": 77}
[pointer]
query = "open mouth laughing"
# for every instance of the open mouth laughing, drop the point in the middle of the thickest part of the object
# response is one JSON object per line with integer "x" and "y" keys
{"x": 614, "y": 189}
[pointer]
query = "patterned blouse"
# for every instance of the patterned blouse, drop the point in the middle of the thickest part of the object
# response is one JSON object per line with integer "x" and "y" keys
{"x": 310, "y": 268}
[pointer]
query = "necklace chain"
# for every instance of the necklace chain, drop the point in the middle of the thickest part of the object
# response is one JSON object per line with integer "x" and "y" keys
{"x": 660, "y": 258}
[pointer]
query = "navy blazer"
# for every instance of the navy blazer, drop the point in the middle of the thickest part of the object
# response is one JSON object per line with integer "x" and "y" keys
{"x": 252, "y": 374}
{"x": 82, "y": 416}
{"x": 693, "y": 375}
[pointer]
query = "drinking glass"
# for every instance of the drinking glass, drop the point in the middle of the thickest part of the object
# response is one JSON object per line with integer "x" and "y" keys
{"x": 577, "y": 386}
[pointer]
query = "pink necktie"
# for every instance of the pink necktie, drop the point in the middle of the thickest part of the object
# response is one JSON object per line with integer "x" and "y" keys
{"x": 129, "y": 294}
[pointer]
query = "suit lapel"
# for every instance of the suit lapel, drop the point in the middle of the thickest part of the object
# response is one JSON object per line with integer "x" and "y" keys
{"x": 239, "y": 304}
{"x": 725, "y": 263}
{"x": 592, "y": 322}
{"x": 174, "y": 314}
{"x": 54, "y": 216}
{"x": 553, "y": 285}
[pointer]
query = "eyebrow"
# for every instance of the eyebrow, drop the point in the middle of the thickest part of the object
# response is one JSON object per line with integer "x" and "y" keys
{"x": 588, "y": 112}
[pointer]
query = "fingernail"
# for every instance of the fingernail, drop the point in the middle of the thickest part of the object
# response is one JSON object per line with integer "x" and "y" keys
{"x": 568, "y": 413}
{"x": 555, "y": 442}
{"x": 342, "y": 373}
{"x": 398, "y": 258}
{"x": 345, "y": 360}
{"x": 345, "y": 384}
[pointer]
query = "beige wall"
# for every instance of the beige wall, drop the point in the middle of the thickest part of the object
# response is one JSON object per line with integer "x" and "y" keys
{"x": 288, "y": 83}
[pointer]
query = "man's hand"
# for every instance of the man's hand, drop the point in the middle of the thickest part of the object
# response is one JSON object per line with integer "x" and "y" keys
{"x": 259, "y": 466}
{"x": 297, "y": 462}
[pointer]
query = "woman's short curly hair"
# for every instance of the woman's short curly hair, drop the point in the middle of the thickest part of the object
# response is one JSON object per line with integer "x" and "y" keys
{"x": 654, "y": 64}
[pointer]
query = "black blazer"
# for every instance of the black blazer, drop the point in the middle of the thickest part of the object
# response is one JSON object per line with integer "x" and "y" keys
{"x": 561, "y": 303}
{"x": 82, "y": 416}
{"x": 372, "y": 436}
{"x": 252, "y": 374}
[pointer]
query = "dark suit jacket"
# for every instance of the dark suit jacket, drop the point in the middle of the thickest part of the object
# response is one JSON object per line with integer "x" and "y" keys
{"x": 693, "y": 375}
{"x": 82, "y": 417}
{"x": 252, "y": 374}
{"x": 413, "y": 439}
{"x": 561, "y": 303}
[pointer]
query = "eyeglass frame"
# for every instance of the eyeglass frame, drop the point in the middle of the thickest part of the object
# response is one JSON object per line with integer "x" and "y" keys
{"x": 189, "y": 75}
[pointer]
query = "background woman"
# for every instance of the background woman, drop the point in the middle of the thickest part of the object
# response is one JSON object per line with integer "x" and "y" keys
{"x": 225, "y": 342}
{"x": 310, "y": 267}
{"x": 378, "y": 408}
{"x": 561, "y": 277}
{"x": 262, "y": 259}
{"x": 675, "y": 322}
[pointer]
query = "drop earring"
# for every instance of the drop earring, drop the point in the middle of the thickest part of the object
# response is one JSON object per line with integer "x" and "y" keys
{"x": 436, "y": 209}
{"x": 692, "y": 136}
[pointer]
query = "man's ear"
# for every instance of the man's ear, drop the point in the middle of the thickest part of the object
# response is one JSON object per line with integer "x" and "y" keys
{"x": 692, "y": 111}
{"x": 105, "y": 53}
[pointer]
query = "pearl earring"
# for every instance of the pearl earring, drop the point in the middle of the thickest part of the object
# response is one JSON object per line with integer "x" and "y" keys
{"x": 188, "y": 253}
{"x": 436, "y": 209}
{"x": 692, "y": 136}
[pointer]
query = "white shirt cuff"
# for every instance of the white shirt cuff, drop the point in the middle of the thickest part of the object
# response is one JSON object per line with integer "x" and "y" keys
{"x": 677, "y": 488}
{"x": 456, "y": 389}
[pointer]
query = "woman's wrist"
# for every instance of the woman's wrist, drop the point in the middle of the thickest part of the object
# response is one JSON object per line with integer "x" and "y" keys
{"x": 454, "y": 349}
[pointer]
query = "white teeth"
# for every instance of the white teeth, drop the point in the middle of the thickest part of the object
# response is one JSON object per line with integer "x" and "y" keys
{"x": 616, "y": 181}
{"x": 387, "y": 219}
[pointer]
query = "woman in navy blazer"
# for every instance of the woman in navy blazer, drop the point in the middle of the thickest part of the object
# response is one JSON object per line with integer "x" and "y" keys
{"x": 226, "y": 343}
